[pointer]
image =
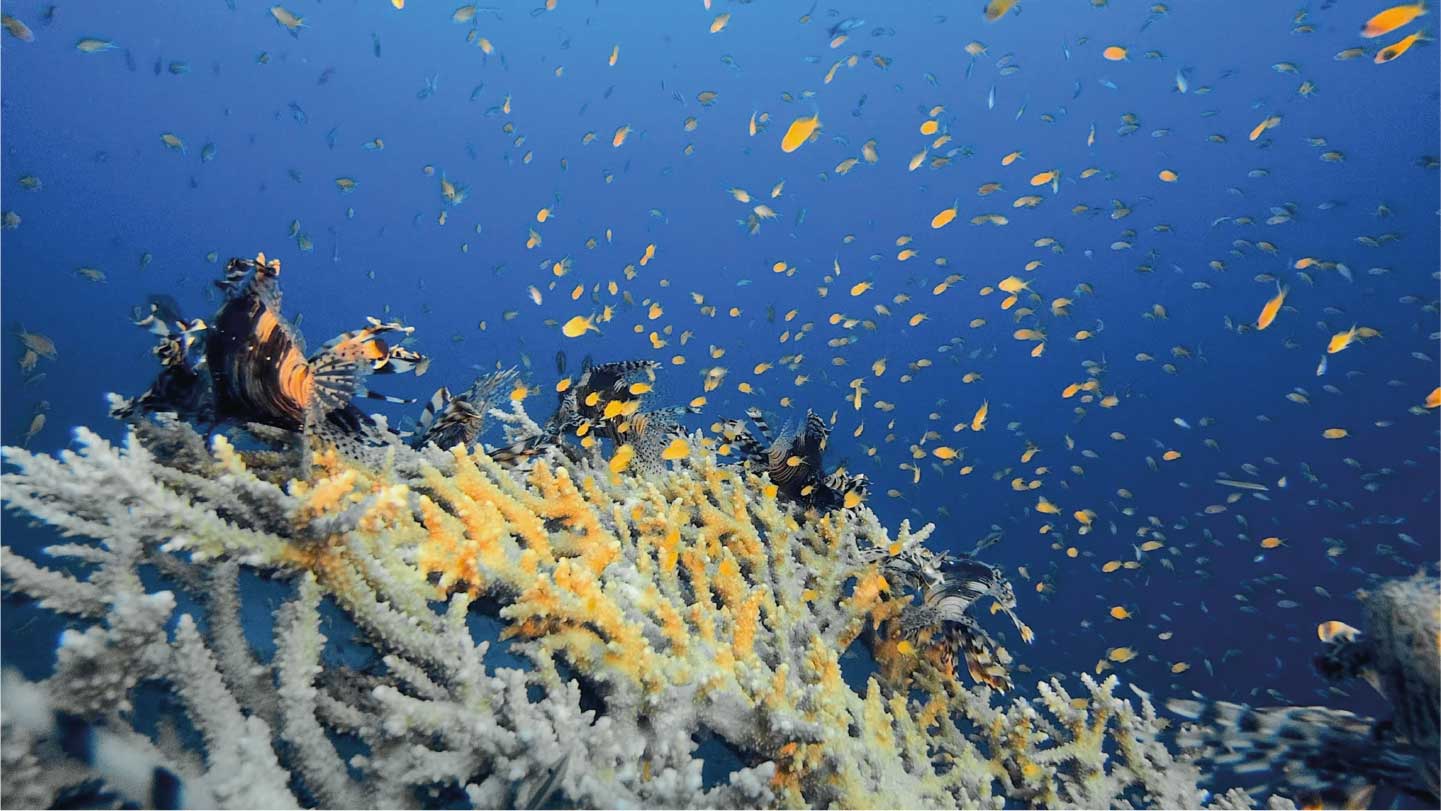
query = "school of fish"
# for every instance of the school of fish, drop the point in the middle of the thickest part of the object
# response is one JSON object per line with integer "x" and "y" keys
{"x": 1072, "y": 420}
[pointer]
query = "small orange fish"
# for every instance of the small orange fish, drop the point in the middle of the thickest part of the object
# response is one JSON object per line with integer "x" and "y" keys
{"x": 1392, "y": 19}
{"x": 1268, "y": 312}
{"x": 799, "y": 132}
{"x": 1341, "y": 340}
{"x": 978, "y": 422}
{"x": 944, "y": 217}
{"x": 996, "y": 9}
{"x": 1397, "y": 48}
{"x": 1333, "y": 629}
{"x": 1266, "y": 123}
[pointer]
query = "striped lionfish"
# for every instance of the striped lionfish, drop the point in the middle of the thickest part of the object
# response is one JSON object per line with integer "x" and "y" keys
{"x": 1333, "y": 756}
{"x": 947, "y": 588}
{"x": 249, "y": 364}
{"x": 793, "y": 463}
{"x": 449, "y": 420}
{"x": 606, "y": 403}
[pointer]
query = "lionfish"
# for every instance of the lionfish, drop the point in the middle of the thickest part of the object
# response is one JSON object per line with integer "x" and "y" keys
{"x": 606, "y": 403}
{"x": 947, "y": 588}
{"x": 1333, "y": 756}
{"x": 793, "y": 463}
{"x": 449, "y": 420}
{"x": 253, "y": 367}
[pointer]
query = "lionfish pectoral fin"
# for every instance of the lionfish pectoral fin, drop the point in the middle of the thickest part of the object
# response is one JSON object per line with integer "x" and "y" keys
{"x": 337, "y": 381}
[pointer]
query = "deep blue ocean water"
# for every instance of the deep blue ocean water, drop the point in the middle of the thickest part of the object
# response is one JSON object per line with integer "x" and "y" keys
{"x": 89, "y": 127}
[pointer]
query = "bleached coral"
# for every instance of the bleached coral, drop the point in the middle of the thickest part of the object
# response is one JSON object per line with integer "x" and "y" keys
{"x": 652, "y": 610}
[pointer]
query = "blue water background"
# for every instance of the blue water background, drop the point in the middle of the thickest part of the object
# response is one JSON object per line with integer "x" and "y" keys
{"x": 90, "y": 129}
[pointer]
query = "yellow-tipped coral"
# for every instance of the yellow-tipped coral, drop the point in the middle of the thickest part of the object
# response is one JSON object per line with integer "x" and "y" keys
{"x": 656, "y": 598}
{"x": 685, "y": 600}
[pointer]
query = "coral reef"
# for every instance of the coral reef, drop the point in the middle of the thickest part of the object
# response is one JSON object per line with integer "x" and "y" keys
{"x": 654, "y": 609}
{"x": 679, "y": 603}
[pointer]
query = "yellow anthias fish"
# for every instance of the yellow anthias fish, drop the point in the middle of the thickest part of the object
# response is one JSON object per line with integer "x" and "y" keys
{"x": 1433, "y": 400}
{"x": 799, "y": 132}
{"x": 996, "y": 9}
{"x": 1042, "y": 178}
{"x": 292, "y": 23}
{"x": 1397, "y": 48}
{"x": 578, "y": 326}
{"x": 978, "y": 422}
{"x": 1266, "y": 123}
{"x": 1341, "y": 340}
{"x": 620, "y": 135}
{"x": 1392, "y": 19}
{"x": 1012, "y": 284}
{"x": 1268, "y": 312}
{"x": 1331, "y": 629}
{"x": 622, "y": 458}
{"x": 720, "y": 22}
{"x": 944, "y": 217}
{"x": 1115, "y": 53}
{"x": 678, "y": 448}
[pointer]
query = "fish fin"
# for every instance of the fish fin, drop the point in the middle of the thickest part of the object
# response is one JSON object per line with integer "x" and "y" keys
{"x": 436, "y": 405}
{"x": 346, "y": 360}
{"x": 985, "y": 660}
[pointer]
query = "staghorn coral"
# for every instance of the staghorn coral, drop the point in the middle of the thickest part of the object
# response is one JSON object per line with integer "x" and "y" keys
{"x": 651, "y": 609}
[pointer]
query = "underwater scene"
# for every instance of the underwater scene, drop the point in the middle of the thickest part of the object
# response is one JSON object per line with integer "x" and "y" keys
{"x": 716, "y": 403}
